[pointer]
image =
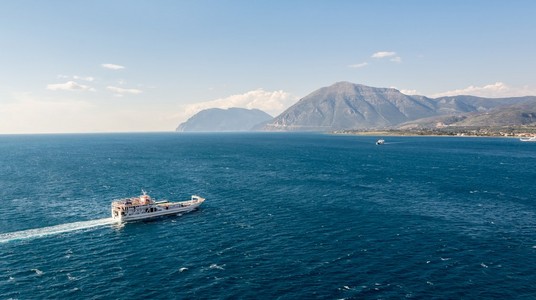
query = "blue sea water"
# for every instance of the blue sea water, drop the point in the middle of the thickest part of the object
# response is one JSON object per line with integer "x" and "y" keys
{"x": 287, "y": 216}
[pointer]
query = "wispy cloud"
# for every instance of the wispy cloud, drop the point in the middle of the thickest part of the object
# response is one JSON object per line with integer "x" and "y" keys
{"x": 87, "y": 78}
{"x": 383, "y": 54}
{"x": 112, "y": 66}
{"x": 391, "y": 55}
{"x": 358, "y": 66}
{"x": 387, "y": 54}
{"x": 497, "y": 89}
{"x": 76, "y": 77}
{"x": 121, "y": 91}
{"x": 69, "y": 86}
{"x": 272, "y": 103}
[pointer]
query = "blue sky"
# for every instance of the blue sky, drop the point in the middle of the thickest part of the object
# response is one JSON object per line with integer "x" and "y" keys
{"x": 108, "y": 66}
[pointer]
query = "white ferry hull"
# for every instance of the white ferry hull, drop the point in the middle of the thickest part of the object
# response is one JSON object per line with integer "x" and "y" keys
{"x": 153, "y": 210}
{"x": 149, "y": 215}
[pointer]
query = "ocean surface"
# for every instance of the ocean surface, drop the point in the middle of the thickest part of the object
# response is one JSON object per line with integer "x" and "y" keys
{"x": 287, "y": 216}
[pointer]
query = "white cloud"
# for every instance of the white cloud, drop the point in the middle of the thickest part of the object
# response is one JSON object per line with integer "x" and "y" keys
{"x": 387, "y": 54}
{"x": 391, "y": 55}
{"x": 360, "y": 65}
{"x": 495, "y": 90}
{"x": 69, "y": 86}
{"x": 272, "y": 103}
{"x": 406, "y": 91}
{"x": 112, "y": 66}
{"x": 121, "y": 91}
{"x": 76, "y": 77}
{"x": 87, "y": 78}
{"x": 383, "y": 54}
{"x": 409, "y": 92}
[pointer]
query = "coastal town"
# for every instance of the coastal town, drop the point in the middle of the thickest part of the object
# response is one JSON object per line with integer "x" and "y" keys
{"x": 510, "y": 131}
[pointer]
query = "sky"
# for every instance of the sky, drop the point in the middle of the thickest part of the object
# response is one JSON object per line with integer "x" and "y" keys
{"x": 141, "y": 66}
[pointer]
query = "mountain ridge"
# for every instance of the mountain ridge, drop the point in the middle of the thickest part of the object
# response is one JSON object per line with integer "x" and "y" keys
{"x": 346, "y": 105}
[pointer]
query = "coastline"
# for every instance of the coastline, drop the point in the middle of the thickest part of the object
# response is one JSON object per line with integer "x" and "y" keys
{"x": 516, "y": 132}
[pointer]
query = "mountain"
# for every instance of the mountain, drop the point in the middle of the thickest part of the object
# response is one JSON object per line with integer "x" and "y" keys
{"x": 512, "y": 115}
{"x": 345, "y": 105}
{"x": 504, "y": 113}
{"x": 217, "y": 119}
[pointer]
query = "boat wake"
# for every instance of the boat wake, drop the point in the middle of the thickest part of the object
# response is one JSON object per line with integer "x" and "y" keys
{"x": 51, "y": 230}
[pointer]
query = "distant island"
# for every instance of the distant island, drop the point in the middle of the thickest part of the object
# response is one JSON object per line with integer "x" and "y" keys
{"x": 222, "y": 120}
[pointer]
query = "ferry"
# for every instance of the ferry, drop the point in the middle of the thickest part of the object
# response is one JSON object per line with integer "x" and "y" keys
{"x": 145, "y": 207}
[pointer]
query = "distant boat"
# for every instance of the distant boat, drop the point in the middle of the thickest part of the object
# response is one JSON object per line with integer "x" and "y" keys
{"x": 380, "y": 142}
{"x": 144, "y": 207}
{"x": 530, "y": 139}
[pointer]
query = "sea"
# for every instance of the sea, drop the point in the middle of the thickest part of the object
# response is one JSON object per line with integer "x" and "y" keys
{"x": 287, "y": 216}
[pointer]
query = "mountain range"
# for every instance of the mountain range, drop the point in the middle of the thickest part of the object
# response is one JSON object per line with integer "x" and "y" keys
{"x": 349, "y": 106}
{"x": 345, "y": 105}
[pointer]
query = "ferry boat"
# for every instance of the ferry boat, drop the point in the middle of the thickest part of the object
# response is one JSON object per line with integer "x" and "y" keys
{"x": 145, "y": 207}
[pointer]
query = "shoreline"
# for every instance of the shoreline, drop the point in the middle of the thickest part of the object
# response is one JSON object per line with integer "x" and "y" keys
{"x": 427, "y": 133}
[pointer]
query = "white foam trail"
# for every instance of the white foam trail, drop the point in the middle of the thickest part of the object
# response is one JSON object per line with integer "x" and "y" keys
{"x": 44, "y": 231}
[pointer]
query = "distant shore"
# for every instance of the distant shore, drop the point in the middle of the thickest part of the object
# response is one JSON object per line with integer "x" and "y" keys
{"x": 508, "y": 132}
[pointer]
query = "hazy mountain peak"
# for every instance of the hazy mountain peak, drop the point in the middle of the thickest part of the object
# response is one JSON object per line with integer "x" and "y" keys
{"x": 218, "y": 119}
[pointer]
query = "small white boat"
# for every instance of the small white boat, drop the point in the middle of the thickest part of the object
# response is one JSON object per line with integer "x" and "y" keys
{"x": 530, "y": 139}
{"x": 380, "y": 142}
{"x": 145, "y": 207}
